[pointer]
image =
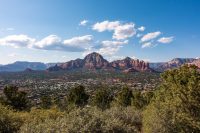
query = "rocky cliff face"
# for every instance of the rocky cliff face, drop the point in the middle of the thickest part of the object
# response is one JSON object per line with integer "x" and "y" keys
{"x": 73, "y": 64}
{"x": 91, "y": 61}
{"x": 129, "y": 64}
{"x": 95, "y": 61}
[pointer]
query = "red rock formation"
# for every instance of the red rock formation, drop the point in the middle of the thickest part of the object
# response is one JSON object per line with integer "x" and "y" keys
{"x": 129, "y": 64}
{"x": 73, "y": 64}
{"x": 95, "y": 61}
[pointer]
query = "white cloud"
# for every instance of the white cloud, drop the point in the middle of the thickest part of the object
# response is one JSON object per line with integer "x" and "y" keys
{"x": 165, "y": 39}
{"x": 112, "y": 58}
{"x": 111, "y": 47}
{"x": 142, "y": 28}
{"x": 51, "y": 42}
{"x": 147, "y": 45}
{"x": 161, "y": 40}
{"x": 107, "y": 48}
{"x": 150, "y": 36}
{"x": 17, "y": 41}
{"x": 66, "y": 57}
{"x": 105, "y": 25}
{"x": 134, "y": 57}
{"x": 13, "y": 55}
{"x": 113, "y": 43}
{"x": 83, "y": 22}
{"x": 108, "y": 51}
{"x": 124, "y": 31}
{"x": 75, "y": 44}
{"x": 79, "y": 41}
{"x": 121, "y": 31}
{"x": 146, "y": 60}
{"x": 48, "y": 41}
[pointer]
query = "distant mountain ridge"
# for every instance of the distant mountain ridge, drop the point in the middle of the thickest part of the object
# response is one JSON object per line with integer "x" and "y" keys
{"x": 95, "y": 61}
{"x": 174, "y": 63}
{"x": 22, "y": 65}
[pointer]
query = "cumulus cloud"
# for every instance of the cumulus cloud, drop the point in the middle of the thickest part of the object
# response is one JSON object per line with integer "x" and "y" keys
{"x": 51, "y": 42}
{"x": 121, "y": 31}
{"x": 105, "y": 25}
{"x": 107, "y": 47}
{"x": 150, "y": 36}
{"x": 108, "y": 51}
{"x": 83, "y": 22}
{"x": 81, "y": 40}
{"x": 111, "y": 47}
{"x": 147, "y": 45}
{"x": 116, "y": 57}
{"x": 48, "y": 41}
{"x": 17, "y": 41}
{"x": 142, "y": 28}
{"x": 124, "y": 31}
{"x": 161, "y": 40}
{"x": 113, "y": 43}
{"x": 165, "y": 39}
{"x": 75, "y": 44}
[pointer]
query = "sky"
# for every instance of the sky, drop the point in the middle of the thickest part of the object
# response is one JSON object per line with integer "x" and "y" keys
{"x": 62, "y": 30}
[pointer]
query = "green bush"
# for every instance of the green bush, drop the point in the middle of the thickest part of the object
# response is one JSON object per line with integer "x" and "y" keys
{"x": 102, "y": 99}
{"x": 77, "y": 96}
{"x": 15, "y": 98}
{"x": 123, "y": 120}
{"x": 176, "y": 105}
{"x": 46, "y": 102}
{"x": 10, "y": 122}
{"x": 124, "y": 97}
{"x": 41, "y": 121}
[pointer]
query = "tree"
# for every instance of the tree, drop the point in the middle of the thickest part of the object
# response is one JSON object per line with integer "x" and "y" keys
{"x": 139, "y": 99}
{"x": 77, "y": 96}
{"x": 15, "y": 98}
{"x": 46, "y": 102}
{"x": 102, "y": 99}
{"x": 124, "y": 97}
{"x": 176, "y": 105}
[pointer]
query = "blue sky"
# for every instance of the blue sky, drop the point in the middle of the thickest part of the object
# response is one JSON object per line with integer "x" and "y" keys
{"x": 51, "y": 31}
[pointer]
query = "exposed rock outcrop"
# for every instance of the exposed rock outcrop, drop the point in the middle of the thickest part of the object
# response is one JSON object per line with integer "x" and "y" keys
{"x": 95, "y": 61}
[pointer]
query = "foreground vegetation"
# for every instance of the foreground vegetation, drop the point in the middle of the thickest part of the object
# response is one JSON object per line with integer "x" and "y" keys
{"x": 174, "y": 107}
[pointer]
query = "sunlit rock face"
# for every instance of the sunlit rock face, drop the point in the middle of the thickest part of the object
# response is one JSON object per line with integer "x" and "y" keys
{"x": 95, "y": 61}
{"x": 129, "y": 64}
